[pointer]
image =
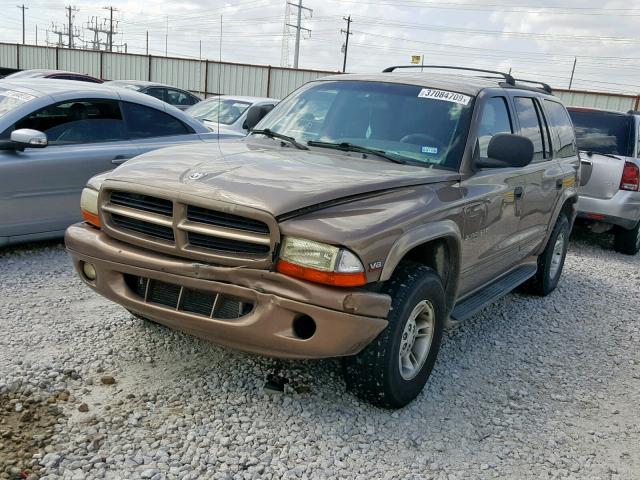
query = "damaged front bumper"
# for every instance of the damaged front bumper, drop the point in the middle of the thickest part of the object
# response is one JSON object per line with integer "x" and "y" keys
{"x": 249, "y": 309}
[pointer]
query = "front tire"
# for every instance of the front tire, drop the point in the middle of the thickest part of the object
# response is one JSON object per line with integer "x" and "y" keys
{"x": 392, "y": 370}
{"x": 627, "y": 241}
{"x": 551, "y": 262}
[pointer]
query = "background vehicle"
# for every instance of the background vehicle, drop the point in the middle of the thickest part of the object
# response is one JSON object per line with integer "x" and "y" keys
{"x": 610, "y": 186}
{"x": 356, "y": 219}
{"x": 173, "y": 96}
{"x": 55, "y": 74}
{"x": 86, "y": 129}
{"x": 228, "y": 114}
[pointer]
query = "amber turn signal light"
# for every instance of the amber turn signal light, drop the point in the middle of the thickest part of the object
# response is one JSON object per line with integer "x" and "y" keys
{"x": 91, "y": 218}
{"x": 336, "y": 279}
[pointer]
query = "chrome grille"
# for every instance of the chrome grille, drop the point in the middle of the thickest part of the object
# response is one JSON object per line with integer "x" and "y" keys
{"x": 143, "y": 202}
{"x": 176, "y": 297}
{"x": 186, "y": 229}
{"x": 221, "y": 219}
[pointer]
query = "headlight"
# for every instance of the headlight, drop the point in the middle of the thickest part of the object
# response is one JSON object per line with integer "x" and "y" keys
{"x": 320, "y": 263}
{"x": 89, "y": 206}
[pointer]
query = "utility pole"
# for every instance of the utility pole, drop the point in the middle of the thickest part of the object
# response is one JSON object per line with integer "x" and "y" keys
{"x": 36, "y": 35}
{"x": 346, "y": 43}
{"x": 111, "y": 32}
{"x": 573, "y": 70}
{"x": 147, "y": 43}
{"x": 166, "y": 39}
{"x": 70, "y": 10}
{"x": 23, "y": 8}
{"x": 299, "y": 28}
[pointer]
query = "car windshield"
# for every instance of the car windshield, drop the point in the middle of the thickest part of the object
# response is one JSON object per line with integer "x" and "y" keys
{"x": 408, "y": 123}
{"x": 603, "y": 132}
{"x": 10, "y": 99}
{"x": 219, "y": 110}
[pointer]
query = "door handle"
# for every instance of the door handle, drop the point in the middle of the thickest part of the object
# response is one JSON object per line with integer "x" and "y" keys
{"x": 518, "y": 192}
{"x": 118, "y": 159}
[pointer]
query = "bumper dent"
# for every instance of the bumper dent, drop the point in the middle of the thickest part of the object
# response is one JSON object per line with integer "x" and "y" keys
{"x": 346, "y": 321}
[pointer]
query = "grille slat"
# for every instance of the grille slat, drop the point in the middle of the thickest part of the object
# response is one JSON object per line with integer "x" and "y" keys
{"x": 140, "y": 226}
{"x": 195, "y": 301}
{"x": 224, "y": 245}
{"x": 228, "y": 220}
{"x": 143, "y": 202}
{"x": 164, "y": 293}
{"x": 191, "y": 301}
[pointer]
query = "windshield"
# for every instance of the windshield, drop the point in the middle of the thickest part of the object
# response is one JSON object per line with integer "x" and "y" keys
{"x": 409, "y": 123}
{"x": 603, "y": 132}
{"x": 224, "y": 111}
{"x": 10, "y": 99}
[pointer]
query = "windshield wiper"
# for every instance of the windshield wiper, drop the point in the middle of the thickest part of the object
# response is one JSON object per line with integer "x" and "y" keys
{"x": 271, "y": 134}
{"x": 591, "y": 153}
{"x": 350, "y": 147}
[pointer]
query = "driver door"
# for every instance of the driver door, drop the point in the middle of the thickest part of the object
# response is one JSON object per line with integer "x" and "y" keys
{"x": 491, "y": 214}
{"x": 40, "y": 188}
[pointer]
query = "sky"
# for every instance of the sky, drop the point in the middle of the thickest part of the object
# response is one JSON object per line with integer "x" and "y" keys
{"x": 534, "y": 39}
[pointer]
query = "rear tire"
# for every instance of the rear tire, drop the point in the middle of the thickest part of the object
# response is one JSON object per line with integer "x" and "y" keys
{"x": 627, "y": 241}
{"x": 551, "y": 262}
{"x": 393, "y": 369}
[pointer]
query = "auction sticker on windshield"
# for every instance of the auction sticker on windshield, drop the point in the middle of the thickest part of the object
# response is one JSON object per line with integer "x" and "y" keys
{"x": 445, "y": 96}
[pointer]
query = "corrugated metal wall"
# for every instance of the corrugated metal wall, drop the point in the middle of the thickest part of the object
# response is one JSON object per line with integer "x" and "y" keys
{"x": 210, "y": 78}
{"x": 8, "y": 56}
{"x": 36, "y": 57}
{"x": 125, "y": 67}
{"x": 204, "y": 77}
{"x": 606, "y": 101}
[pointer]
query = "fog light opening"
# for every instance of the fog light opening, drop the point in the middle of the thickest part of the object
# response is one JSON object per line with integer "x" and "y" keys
{"x": 304, "y": 327}
{"x": 89, "y": 271}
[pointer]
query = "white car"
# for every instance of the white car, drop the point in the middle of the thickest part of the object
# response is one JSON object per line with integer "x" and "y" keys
{"x": 228, "y": 114}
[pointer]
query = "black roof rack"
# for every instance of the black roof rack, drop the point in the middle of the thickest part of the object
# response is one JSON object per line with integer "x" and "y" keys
{"x": 509, "y": 79}
{"x": 544, "y": 86}
{"x": 633, "y": 112}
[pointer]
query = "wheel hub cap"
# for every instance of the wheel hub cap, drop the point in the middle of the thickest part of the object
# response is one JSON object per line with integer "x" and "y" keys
{"x": 556, "y": 256}
{"x": 416, "y": 340}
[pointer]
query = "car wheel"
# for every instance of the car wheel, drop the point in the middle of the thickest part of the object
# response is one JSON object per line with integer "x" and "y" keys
{"x": 627, "y": 241}
{"x": 551, "y": 262}
{"x": 393, "y": 369}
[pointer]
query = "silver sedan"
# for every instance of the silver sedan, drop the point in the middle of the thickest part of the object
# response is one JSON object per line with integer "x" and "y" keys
{"x": 56, "y": 134}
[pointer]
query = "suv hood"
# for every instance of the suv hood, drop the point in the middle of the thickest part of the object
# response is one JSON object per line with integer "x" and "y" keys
{"x": 277, "y": 180}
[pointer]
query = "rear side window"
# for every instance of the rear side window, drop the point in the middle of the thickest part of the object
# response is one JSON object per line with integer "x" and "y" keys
{"x": 146, "y": 122}
{"x": 495, "y": 119}
{"x": 603, "y": 132}
{"x": 159, "y": 93}
{"x": 78, "y": 121}
{"x": 530, "y": 126}
{"x": 562, "y": 128}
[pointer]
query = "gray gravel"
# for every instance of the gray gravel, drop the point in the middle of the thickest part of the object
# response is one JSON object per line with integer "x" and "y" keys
{"x": 530, "y": 388}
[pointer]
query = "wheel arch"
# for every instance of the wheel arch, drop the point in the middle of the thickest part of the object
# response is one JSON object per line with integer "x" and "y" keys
{"x": 437, "y": 245}
{"x": 568, "y": 204}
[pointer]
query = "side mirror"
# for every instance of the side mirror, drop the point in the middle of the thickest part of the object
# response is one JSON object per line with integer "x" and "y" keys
{"x": 28, "y": 138}
{"x": 254, "y": 115}
{"x": 507, "y": 150}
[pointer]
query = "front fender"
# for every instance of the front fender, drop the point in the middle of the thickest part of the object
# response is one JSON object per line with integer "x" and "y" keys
{"x": 446, "y": 230}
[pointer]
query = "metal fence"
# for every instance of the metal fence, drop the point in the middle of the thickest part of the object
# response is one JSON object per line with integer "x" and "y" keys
{"x": 606, "y": 101}
{"x": 200, "y": 76}
{"x": 210, "y": 78}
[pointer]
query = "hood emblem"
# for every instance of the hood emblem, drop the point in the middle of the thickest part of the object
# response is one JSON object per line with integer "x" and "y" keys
{"x": 196, "y": 176}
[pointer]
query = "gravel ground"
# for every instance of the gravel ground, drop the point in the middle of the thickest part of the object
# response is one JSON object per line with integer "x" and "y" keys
{"x": 530, "y": 388}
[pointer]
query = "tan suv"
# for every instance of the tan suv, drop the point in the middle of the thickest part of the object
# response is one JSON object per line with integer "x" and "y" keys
{"x": 363, "y": 215}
